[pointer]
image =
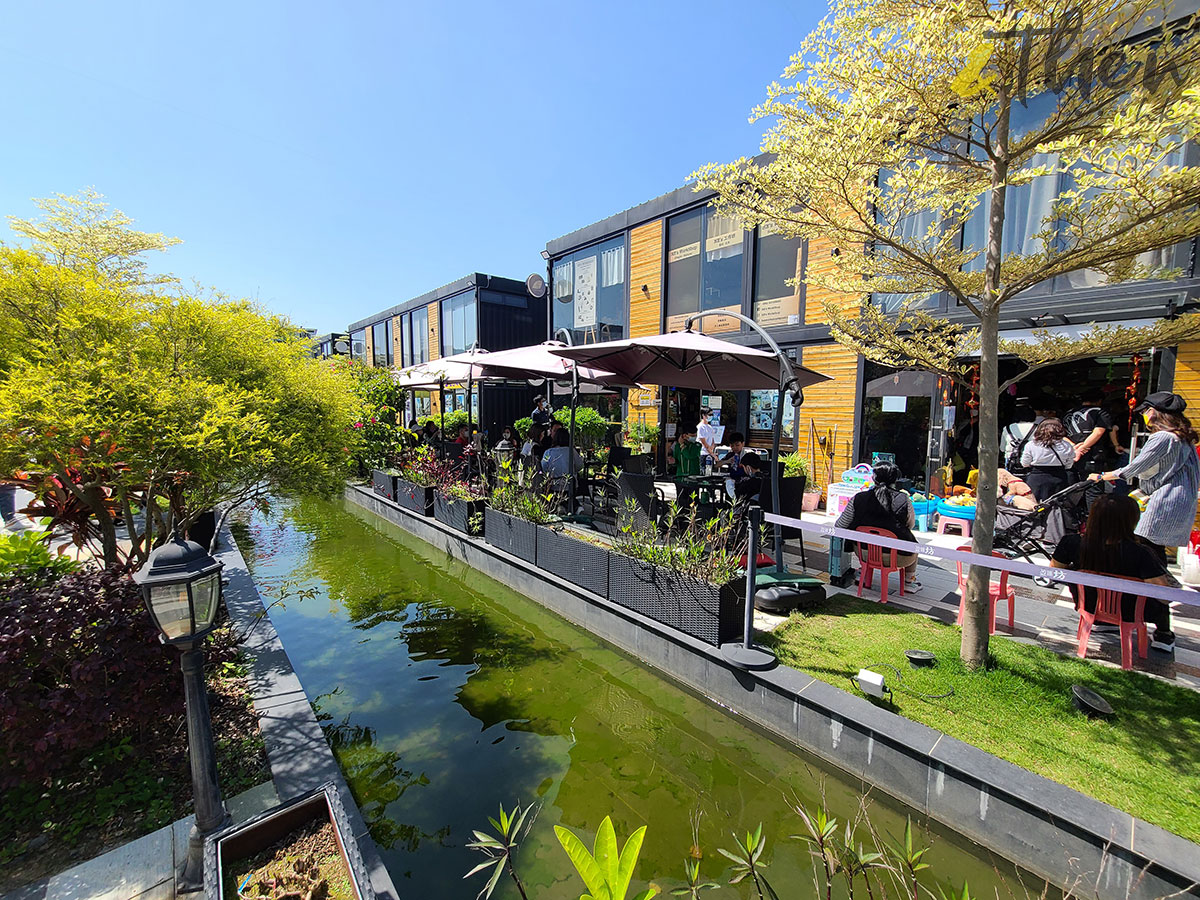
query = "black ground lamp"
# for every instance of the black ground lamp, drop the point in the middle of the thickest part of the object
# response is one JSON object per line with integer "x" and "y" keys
{"x": 182, "y": 587}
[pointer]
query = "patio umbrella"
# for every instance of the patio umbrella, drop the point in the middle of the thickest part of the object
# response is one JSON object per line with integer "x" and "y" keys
{"x": 691, "y": 359}
{"x": 537, "y": 361}
{"x": 461, "y": 368}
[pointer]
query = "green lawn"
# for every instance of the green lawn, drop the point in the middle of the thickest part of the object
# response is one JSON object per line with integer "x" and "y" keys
{"x": 1145, "y": 761}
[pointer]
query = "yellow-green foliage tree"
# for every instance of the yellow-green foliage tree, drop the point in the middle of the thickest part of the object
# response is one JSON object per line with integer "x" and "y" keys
{"x": 128, "y": 398}
{"x": 903, "y": 120}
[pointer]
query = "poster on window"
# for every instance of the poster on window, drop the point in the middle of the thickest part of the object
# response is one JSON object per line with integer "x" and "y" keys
{"x": 585, "y": 292}
{"x": 709, "y": 324}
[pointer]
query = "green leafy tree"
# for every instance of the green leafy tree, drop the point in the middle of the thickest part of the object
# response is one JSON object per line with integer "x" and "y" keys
{"x": 151, "y": 405}
{"x": 901, "y": 121}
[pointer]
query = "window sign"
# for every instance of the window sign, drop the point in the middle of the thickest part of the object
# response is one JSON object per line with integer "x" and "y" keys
{"x": 762, "y": 412}
{"x": 585, "y": 292}
{"x": 895, "y": 404}
{"x": 679, "y": 254}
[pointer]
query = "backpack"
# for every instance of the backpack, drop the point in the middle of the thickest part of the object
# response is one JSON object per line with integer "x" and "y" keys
{"x": 1013, "y": 462}
{"x": 1077, "y": 426}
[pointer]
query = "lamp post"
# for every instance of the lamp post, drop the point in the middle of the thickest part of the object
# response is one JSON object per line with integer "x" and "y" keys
{"x": 181, "y": 584}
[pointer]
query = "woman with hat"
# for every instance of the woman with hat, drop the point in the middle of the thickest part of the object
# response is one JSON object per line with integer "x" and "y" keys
{"x": 1168, "y": 473}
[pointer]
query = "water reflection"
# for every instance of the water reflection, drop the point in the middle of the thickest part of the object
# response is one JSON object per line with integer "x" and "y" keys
{"x": 445, "y": 694}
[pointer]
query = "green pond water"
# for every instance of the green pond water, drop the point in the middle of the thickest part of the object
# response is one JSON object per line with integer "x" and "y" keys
{"x": 445, "y": 694}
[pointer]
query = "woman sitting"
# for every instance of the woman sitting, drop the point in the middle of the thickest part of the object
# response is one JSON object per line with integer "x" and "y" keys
{"x": 1108, "y": 546}
{"x": 886, "y": 507}
{"x": 1048, "y": 457}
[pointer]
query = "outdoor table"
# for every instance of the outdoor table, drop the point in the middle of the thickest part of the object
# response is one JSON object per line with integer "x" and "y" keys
{"x": 709, "y": 489}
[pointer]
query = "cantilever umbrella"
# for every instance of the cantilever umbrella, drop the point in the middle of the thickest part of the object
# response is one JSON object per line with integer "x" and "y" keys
{"x": 689, "y": 359}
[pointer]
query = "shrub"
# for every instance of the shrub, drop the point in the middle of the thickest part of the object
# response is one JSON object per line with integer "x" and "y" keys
{"x": 80, "y": 667}
{"x": 26, "y": 554}
{"x": 379, "y": 430}
{"x": 590, "y": 426}
{"x": 454, "y": 420}
{"x": 523, "y": 426}
{"x": 795, "y": 464}
{"x": 641, "y": 433}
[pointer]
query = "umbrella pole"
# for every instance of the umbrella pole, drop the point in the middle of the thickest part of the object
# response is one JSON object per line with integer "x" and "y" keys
{"x": 776, "y": 473}
{"x": 442, "y": 407}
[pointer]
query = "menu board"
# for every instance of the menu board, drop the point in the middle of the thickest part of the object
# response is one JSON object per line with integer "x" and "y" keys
{"x": 585, "y": 292}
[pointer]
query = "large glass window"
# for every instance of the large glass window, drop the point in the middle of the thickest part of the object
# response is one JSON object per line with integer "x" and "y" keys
{"x": 590, "y": 299}
{"x": 358, "y": 345}
{"x": 778, "y": 260}
{"x": 420, "y": 335}
{"x": 391, "y": 342}
{"x": 458, "y": 323}
{"x": 704, "y": 268}
{"x": 406, "y": 349}
{"x": 379, "y": 344}
{"x": 916, "y": 228}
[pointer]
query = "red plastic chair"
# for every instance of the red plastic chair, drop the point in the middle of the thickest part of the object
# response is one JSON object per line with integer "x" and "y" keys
{"x": 996, "y": 592}
{"x": 1108, "y": 610}
{"x": 872, "y": 557}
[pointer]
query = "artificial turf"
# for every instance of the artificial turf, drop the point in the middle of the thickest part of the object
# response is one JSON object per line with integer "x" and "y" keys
{"x": 1145, "y": 760}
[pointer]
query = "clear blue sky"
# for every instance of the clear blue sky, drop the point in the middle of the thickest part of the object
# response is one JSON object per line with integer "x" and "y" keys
{"x": 332, "y": 160}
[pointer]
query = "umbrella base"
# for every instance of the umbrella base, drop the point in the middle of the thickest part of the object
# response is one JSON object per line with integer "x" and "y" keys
{"x": 754, "y": 659}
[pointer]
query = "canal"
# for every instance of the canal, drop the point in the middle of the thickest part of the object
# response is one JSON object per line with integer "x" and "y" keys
{"x": 445, "y": 694}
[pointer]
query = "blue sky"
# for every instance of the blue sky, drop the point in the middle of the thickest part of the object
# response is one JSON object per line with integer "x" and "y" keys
{"x": 331, "y": 161}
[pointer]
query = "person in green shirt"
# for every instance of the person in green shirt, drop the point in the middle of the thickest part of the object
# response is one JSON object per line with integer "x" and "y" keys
{"x": 686, "y": 452}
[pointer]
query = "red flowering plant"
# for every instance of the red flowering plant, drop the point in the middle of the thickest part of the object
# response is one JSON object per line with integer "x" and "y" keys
{"x": 378, "y": 431}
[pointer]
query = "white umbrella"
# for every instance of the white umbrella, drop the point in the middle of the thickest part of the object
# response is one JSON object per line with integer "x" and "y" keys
{"x": 461, "y": 368}
{"x": 539, "y": 360}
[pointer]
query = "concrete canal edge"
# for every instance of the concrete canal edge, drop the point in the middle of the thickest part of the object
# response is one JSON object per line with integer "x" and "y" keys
{"x": 1071, "y": 840}
{"x": 296, "y": 748}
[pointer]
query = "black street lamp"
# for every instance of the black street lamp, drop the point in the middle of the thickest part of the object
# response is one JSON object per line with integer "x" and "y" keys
{"x": 182, "y": 587}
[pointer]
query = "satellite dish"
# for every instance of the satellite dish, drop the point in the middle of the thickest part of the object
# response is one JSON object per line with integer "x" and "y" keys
{"x": 536, "y": 285}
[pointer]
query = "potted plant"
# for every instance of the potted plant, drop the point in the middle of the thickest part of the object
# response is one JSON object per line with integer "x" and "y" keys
{"x": 574, "y": 557}
{"x": 460, "y": 505}
{"x": 418, "y": 471}
{"x": 642, "y": 436}
{"x": 305, "y": 846}
{"x": 688, "y": 580}
{"x": 383, "y": 481}
{"x": 513, "y": 514}
{"x": 792, "y": 483}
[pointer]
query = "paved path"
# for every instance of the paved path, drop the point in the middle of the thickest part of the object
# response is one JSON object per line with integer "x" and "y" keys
{"x": 143, "y": 869}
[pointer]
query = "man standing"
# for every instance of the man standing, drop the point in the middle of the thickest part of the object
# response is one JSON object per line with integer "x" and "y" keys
{"x": 1089, "y": 428}
{"x": 707, "y": 435}
{"x": 541, "y": 413}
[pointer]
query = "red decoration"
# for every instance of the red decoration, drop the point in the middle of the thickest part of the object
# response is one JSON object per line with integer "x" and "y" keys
{"x": 1131, "y": 391}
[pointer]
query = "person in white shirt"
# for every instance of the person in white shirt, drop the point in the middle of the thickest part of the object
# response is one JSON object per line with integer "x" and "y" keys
{"x": 706, "y": 434}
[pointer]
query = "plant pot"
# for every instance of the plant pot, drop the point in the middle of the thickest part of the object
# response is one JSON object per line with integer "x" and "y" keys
{"x": 510, "y": 534}
{"x": 414, "y": 497}
{"x": 384, "y": 483}
{"x": 810, "y": 501}
{"x": 576, "y": 561}
{"x": 239, "y": 842}
{"x": 708, "y": 612}
{"x": 458, "y": 513}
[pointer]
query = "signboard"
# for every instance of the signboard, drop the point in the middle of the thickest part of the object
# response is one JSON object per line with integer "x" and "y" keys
{"x": 895, "y": 404}
{"x": 721, "y": 241}
{"x": 709, "y": 324}
{"x": 585, "y": 292}
{"x": 687, "y": 251}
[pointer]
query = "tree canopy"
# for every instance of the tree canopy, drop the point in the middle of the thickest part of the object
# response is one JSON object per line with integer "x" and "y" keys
{"x": 123, "y": 397}
{"x": 976, "y": 151}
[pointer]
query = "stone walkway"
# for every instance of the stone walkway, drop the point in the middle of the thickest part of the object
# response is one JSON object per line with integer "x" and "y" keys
{"x": 143, "y": 869}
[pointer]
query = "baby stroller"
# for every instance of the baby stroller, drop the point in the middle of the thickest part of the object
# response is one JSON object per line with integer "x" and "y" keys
{"x": 1024, "y": 534}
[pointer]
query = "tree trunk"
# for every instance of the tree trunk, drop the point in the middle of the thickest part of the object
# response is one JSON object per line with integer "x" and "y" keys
{"x": 976, "y": 620}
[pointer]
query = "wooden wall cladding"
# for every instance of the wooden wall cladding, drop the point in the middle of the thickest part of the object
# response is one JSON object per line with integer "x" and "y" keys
{"x": 1187, "y": 376}
{"x": 645, "y": 268}
{"x": 369, "y": 343}
{"x": 397, "y": 343}
{"x": 820, "y": 262}
{"x": 826, "y": 406}
{"x": 435, "y": 341}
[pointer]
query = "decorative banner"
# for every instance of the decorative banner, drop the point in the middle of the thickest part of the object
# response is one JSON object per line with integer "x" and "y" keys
{"x": 585, "y": 292}
{"x": 687, "y": 251}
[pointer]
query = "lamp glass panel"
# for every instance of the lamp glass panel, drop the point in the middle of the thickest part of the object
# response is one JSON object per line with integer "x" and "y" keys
{"x": 169, "y": 603}
{"x": 206, "y": 592}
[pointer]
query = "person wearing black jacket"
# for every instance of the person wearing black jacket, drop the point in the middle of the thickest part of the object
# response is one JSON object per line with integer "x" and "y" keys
{"x": 887, "y": 507}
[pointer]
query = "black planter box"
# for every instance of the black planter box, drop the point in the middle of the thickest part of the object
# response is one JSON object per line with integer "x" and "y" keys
{"x": 709, "y": 612}
{"x": 510, "y": 534}
{"x": 413, "y": 497}
{"x": 226, "y": 847}
{"x": 457, "y": 513}
{"x": 576, "y": 561}
{"x": 384, "y": 483}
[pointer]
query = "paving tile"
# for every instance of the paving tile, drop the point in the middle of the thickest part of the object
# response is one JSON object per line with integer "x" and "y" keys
{"x": 121, "y": 874}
